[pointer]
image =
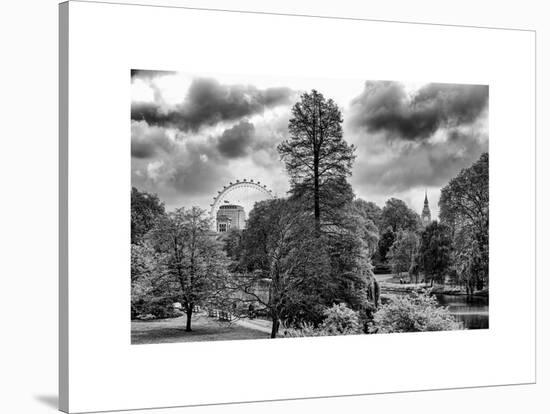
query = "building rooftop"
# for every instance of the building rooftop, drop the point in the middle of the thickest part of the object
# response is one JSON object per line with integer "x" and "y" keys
{"x": 231, "y": 206}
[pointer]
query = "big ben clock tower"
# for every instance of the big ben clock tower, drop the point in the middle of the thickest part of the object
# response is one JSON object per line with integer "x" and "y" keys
{"x": 426, "y": 215}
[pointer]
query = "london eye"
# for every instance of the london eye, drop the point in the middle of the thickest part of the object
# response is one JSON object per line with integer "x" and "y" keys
{"x": 241, "y": 192}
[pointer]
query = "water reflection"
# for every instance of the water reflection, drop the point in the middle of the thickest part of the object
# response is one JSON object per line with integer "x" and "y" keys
{"x": 472, "y": 311}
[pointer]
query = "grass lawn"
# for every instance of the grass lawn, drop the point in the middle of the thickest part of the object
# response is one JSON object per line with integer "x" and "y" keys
{"x": 204, "y": 329}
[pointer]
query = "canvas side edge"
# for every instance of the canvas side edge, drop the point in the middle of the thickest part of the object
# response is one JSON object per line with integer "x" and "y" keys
{"x": 63, "y": 207}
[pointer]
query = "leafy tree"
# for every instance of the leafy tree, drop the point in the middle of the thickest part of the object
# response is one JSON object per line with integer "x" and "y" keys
{"x": 151, "y": 292}
{"x": 145, "y": 208}
{"x": 402, "y": 253}
{"x": 398, "y": 216}
{"x": 307, "y": 272}
{"x": 141, "y": 261}
{"x": 319, "y": 163}
{"x": 142, "y": 267}
{"x": 349, "y": 247}
{"x": 280, "y": 244}
{"x": 369, "y": 210}
{"x": 413, "y": 313}
{"x": 232, "y": 243}
{"x": 414, "y": 270}
{"x": 386, "y": 241}
{"x": 469, "y": 260}
{"x": 194, "y": 263}
{"x": 464, "y": 207}
{"x": 435, "y": 251}
{"x": 317, "y": 158}
{"x": 358, "y": 219}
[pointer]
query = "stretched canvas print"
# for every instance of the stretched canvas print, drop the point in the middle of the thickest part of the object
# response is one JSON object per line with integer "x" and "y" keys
{"x": 274, "y": 207}
{"x": 259, "y": 207}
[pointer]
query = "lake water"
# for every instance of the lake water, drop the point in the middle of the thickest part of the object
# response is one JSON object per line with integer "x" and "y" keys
{"x": 472, "y": 311}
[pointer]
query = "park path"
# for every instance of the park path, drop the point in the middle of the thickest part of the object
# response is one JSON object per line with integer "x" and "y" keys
{"x": 256, "y": 324}
{"x": 383, "y": 277}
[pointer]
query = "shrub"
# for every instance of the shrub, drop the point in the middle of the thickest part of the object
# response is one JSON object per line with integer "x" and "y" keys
{"x": 341, "y": 320}
{"x": 305, "y": 329}
{"x": 155, "y": 308}
{"x": 147, "y": 317}
{"x": 413, "y": 313}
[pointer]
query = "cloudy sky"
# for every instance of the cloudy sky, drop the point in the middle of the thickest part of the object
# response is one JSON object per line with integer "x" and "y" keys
{"x": 193, "y": 133}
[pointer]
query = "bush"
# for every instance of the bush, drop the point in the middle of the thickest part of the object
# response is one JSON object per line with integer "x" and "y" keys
{"x": 147, "y": 317}
{"x": 158, "y": 308}
{"x": 305, "y": 329}
{"x": 413, "y": 313}
{"x": 339, "y": 320}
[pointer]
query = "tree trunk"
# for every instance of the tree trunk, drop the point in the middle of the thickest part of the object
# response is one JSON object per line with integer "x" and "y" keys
{"x": 376, "y": 293}
{"x": 316, "y": 202}
{"x": 479, "y": 284}
{"x": 275, "y": 326}
{"x": 189, "y": 312}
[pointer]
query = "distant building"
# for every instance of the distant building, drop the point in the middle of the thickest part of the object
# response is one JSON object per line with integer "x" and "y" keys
{"x": 426, "y": 214}
{"x": 223, "y": 223}
{"x": 230, "y": 216}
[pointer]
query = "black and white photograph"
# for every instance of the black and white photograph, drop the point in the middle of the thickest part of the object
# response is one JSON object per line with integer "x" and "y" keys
{"x": 269, "y": 207}
{"x": 243, "y": 207}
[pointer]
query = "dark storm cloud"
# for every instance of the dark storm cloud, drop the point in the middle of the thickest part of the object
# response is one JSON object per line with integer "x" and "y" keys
{"x": 190, "y": 169}
{"x": 416, "y": 140}
{"x": 197, "y": 169}
{"x": 259, "y": 141}
{"x": 268, "y": 135}
{"x": 142, "y": 150}
{"x": 235, "y": 141}
{"x": 151, "y": 113}
{"x": 187, "y": 169}
{"x": 149, "y": 141}
{"x": 422, "y": 164}
{"x": 384, "y": 107}
{"x": 148, "y": 74}
{"x": 209, "y": 102}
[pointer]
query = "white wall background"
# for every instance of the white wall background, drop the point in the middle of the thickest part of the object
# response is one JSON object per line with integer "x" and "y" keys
{"x": 28, "y": 207}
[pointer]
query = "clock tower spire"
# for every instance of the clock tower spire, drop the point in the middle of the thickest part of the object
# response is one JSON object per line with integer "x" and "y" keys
{"x": 426, "y": 214}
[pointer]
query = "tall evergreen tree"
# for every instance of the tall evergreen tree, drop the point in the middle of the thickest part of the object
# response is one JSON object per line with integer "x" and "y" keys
{"x": 317, "y": 157}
